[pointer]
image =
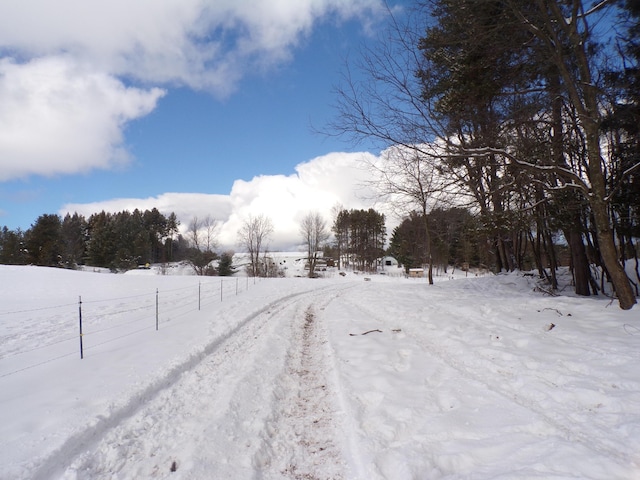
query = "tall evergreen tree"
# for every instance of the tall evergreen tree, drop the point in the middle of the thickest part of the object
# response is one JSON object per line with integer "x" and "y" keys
{"x": 361, "y": 236}
{"x": 225, "y": 264}
{"x": 341, "y": 228}
{"x": 12, "y": 247}
{"x": 622, "y": 126}
{"x": 73, "y": 237}
{"x": 476, "y": 65}
{"x": 43, "y": 241}
{"x": 456, "y": 239}
{"x": 408, "y": 241}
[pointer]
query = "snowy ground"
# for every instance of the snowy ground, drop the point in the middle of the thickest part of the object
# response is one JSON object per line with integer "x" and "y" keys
{"x": 334, "y": 378}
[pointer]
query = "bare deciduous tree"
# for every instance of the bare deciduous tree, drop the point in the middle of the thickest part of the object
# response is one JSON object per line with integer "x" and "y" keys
{"x": 409, "y": 180}
{"x": 253, "y": 237}
{"x": 193, "y": 233}
{"x": 202, "y": 235}
{"x": 211, "y": 227}
{"x": 313, "y": 230}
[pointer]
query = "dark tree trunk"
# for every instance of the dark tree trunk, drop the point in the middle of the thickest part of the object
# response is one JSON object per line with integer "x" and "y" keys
{"x": 579, "y": 262}
{"x": 551, "y": 258}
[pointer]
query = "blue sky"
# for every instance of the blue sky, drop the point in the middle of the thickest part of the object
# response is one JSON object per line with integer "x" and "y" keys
{"x": 194, "y": 107}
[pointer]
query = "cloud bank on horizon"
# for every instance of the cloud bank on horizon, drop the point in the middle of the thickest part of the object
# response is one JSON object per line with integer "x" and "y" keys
{"x": 73, "y": 73}
{"x": 317, "y": 186}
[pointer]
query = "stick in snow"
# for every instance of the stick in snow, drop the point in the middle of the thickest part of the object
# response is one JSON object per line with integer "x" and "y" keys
{"x": 356, "y": 334}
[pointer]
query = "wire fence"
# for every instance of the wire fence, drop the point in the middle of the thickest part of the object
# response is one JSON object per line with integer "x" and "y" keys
{"x": 42, "y": 335}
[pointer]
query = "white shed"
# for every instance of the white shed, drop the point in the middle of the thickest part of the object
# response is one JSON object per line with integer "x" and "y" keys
{"x": 389, "y": 262}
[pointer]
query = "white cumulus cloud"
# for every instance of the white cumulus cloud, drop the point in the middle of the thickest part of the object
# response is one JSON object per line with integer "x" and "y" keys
{"x": 59, "y": 118}
{"x": 63, "y": 64}
{"x": 317, "y": 185}
{"x": 199, "y": 43}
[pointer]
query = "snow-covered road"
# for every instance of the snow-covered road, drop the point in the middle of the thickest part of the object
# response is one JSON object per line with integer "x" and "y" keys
{"x": 335, "y": 379}
{"x": 257, "y": 400}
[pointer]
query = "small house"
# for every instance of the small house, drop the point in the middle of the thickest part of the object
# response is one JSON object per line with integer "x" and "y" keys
{"x": 416, "y": 272}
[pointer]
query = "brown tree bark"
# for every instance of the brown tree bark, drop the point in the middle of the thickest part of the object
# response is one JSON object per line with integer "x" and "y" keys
{"x": 579, "y": 262}
{"x": 554, "y": 30}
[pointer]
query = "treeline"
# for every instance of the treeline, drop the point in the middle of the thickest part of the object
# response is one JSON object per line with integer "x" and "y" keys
{"x": 457, "y": 238}
{"x": 118, "y": 241}
{"x": 531, "y": 111}
{"x": 359, "y": 238}
{"x": 542, "y": 131}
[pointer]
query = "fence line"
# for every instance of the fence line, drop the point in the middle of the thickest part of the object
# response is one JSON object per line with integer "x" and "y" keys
{"x": 103, "y": 300}
{"x": 68, "y": 339}
{"x": 37, "y": 309}
{"x": 43, "y": 362}
{"x": 90, "y": 322}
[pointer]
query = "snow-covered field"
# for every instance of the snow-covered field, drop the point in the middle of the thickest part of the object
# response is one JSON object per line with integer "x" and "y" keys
{"x": 333, "y": 378}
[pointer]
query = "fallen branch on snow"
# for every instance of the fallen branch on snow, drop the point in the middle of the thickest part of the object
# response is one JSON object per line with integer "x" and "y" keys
{"x": 370, "y": 331}
{"x": 552, "y": 309}
{"x": 546, "y": 291}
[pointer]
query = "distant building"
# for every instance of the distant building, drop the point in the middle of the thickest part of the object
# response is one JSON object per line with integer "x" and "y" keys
{"x": 389, "y": 262}
{"x": 416, "y": 272}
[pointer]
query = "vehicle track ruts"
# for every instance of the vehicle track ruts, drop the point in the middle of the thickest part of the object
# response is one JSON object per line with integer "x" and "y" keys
{"x": 105, "y": 446}
{"x": 303, "y": 434}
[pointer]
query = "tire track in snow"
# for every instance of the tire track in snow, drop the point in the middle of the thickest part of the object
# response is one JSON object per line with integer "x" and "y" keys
{"x": 302, "y": 437}
{"x": 220, "y": 352}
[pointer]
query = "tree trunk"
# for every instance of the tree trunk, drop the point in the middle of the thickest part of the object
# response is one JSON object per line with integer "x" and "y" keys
{"x": 608, "y": 252}
{"x": 428, "y": 243}
{"x": 535, "y": 246}
{"x": 504, "y": 255}
{"x": 632, "y": 250}
{"x": 584, "y": 95}
{"x": 580, "y": 263}
{"x": 599, "y": 207}
{"x": 551, "y": 258}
